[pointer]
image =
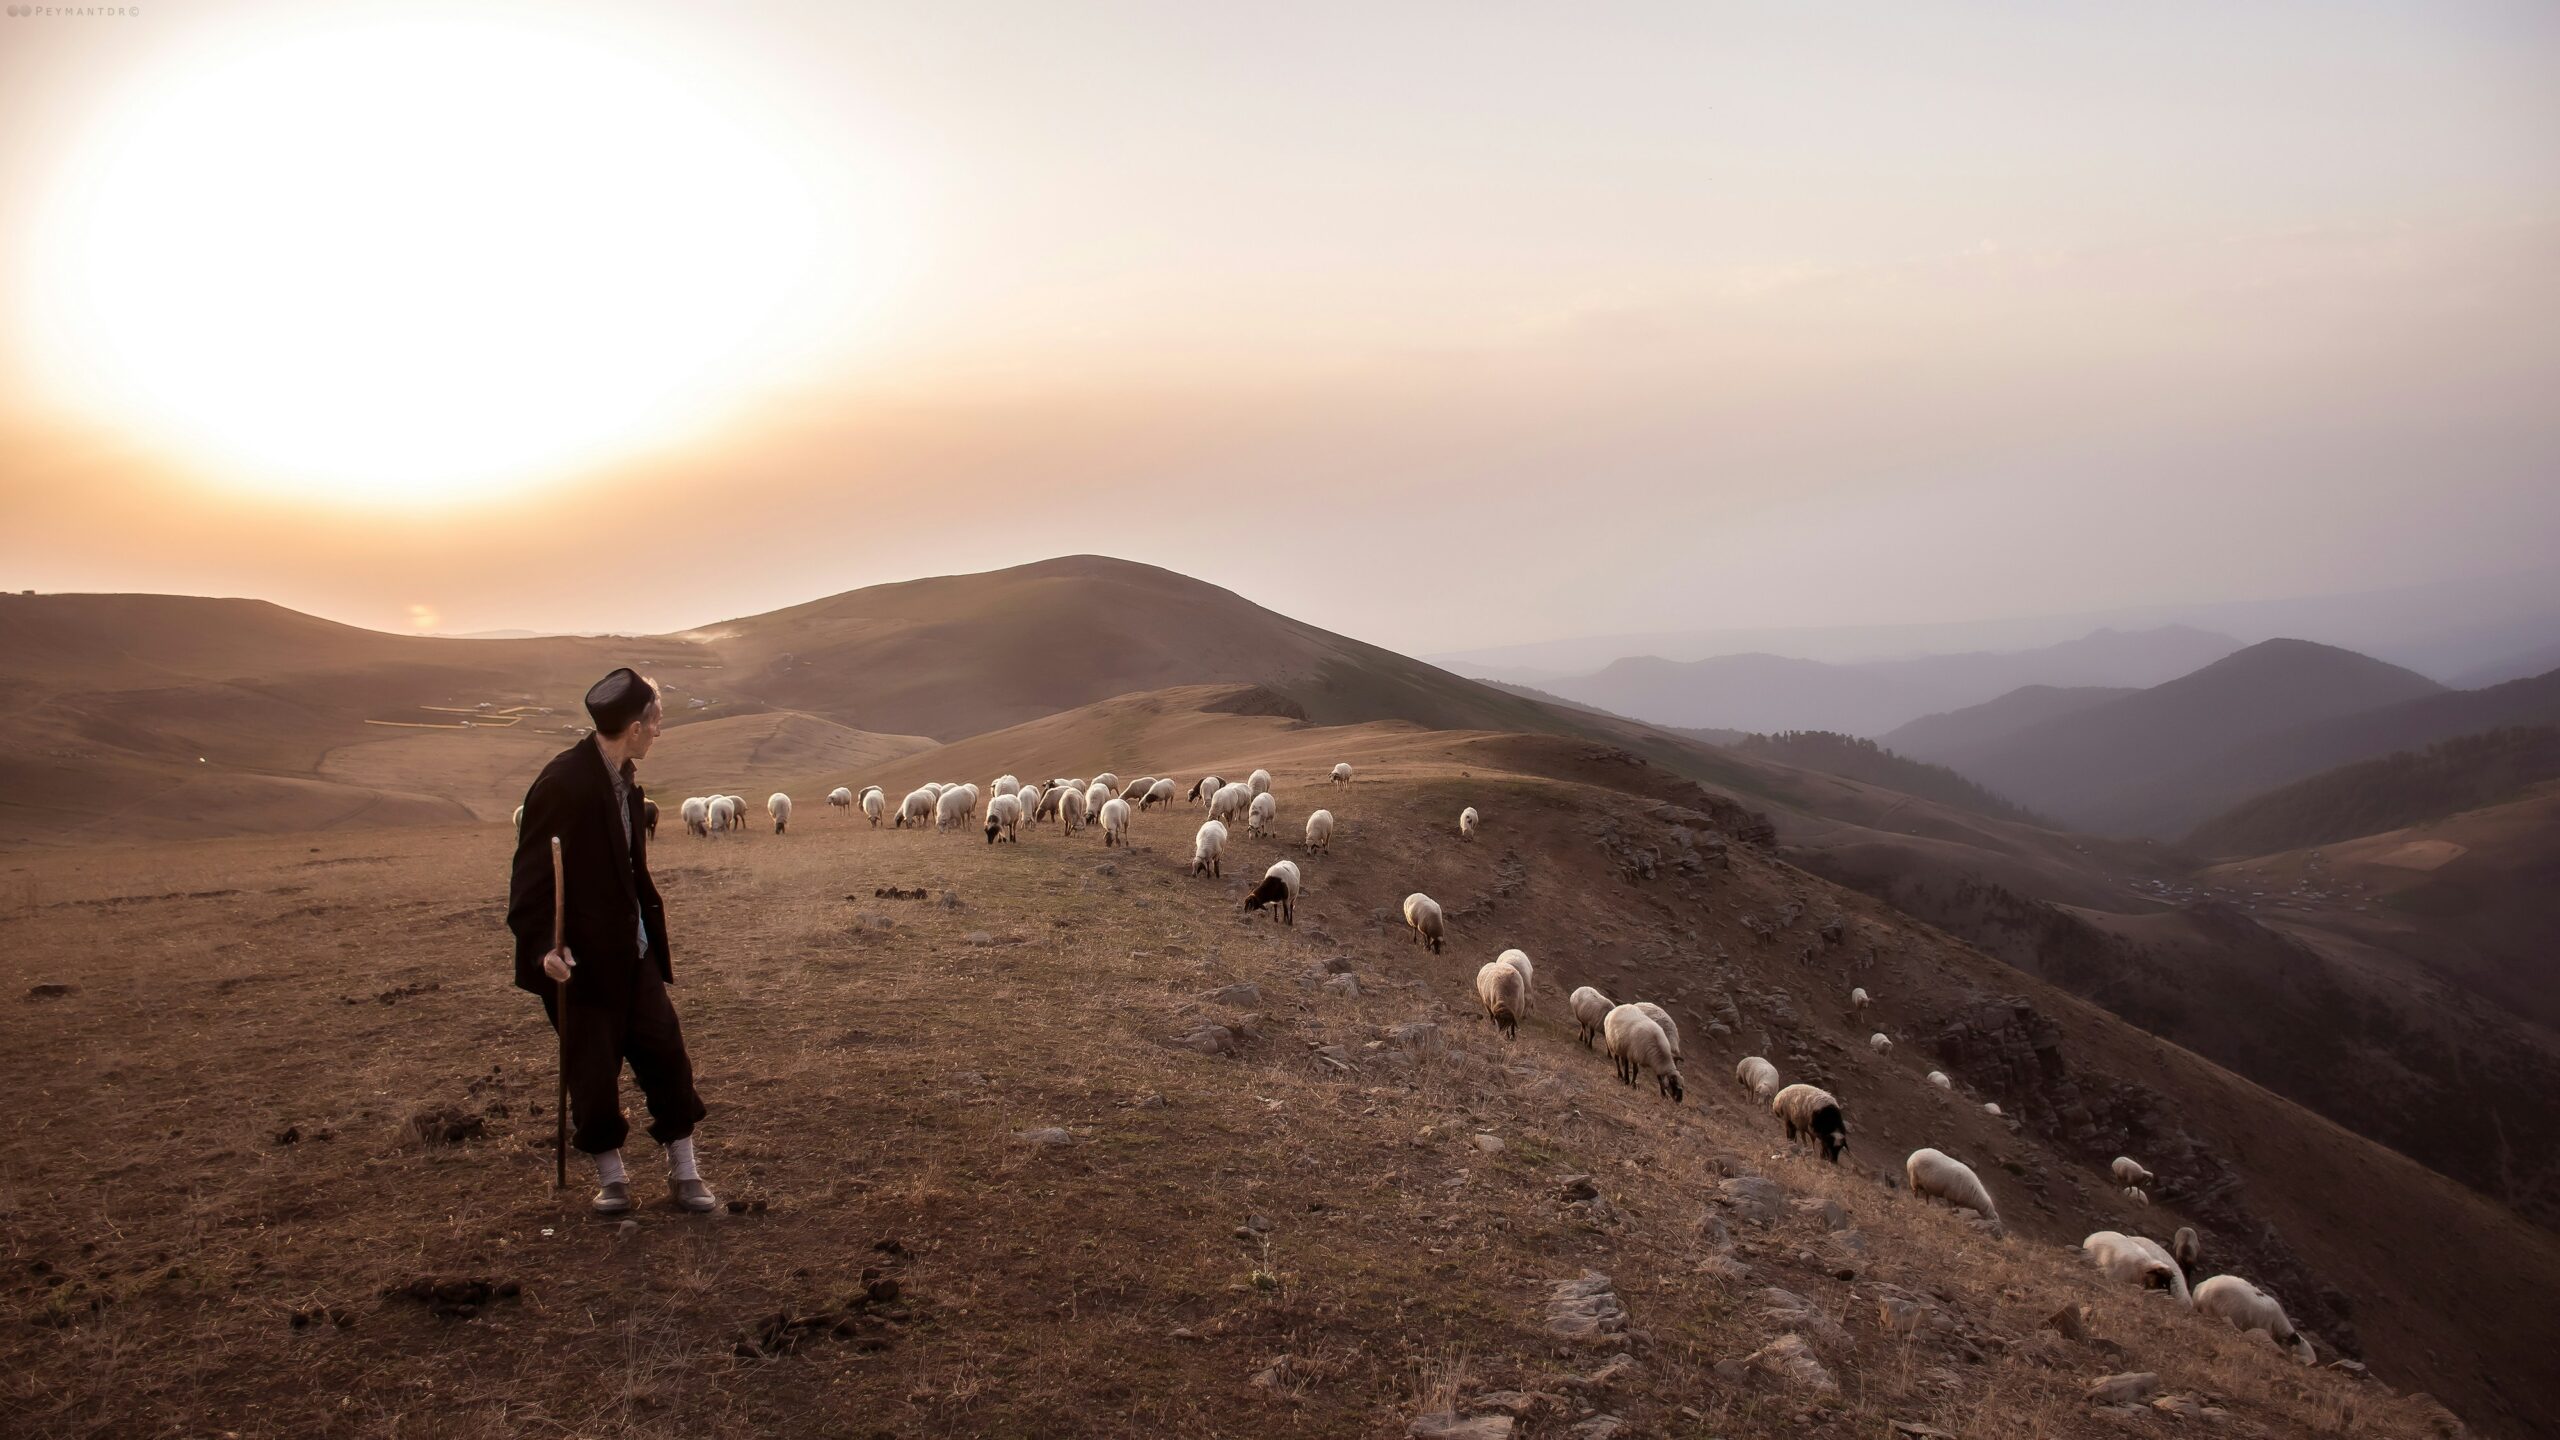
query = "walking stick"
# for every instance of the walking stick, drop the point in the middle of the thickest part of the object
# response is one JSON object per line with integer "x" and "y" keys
{"x": 560, "y": 1112}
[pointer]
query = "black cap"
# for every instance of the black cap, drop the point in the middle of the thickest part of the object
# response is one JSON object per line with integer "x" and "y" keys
{"x": 618, "y": 699}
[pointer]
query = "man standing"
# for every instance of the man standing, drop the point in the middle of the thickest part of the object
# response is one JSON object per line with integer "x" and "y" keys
{"x": 613, "y": 950}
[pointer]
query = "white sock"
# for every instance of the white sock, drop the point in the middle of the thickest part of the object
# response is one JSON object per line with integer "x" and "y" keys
{"x": 609, "y": 1167}
{"x": 680, "y": 1160}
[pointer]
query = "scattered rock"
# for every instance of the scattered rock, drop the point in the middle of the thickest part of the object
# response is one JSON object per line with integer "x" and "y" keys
{"x": 1346, "y": 987}
{"x": 1620, "y": 1366}
{"x": 1923, "y": 1432}
{"x": 1106, "y": 868}
{"x": 1598, "y": 1427}
{"x": 2071, "y": 1322}
{"x": 1576, "y": 1188}
{"x": 1243, "y": 996}
{"x": 51, "y": 991}
{"x": 1418, "y": 1036}
{"x": 1489, "y": 1144}
{"x": 1047, "y": 1135}
{"x": 460, "y": 1298}
{"x": 1151, "y": 1101}
{"x": 1828, "y": 1211}
{"x": 1331, "y": 965}
{"x": 1447, "y": 1425}
{"x": 1725, "y": 1268}
{"x": 289, "y": 1135}
{"x": 1755, "y": 1198}
{"x": 950, "y": 900}
{"x": 1585, "y": 1310}
{"x": 1901, "y": 1317}
{"x": 1517, "y": 1403}
{"x": 977, "y": 937}
{"x": 447, "y": 1125}
{"x": 1791, "y": 1360}
{"x": 2131, "y": 1388}
{"x": 1208, "y": 1040}
{"x": 1334, "y": 1057}
{"x": 1793, "y": 1311}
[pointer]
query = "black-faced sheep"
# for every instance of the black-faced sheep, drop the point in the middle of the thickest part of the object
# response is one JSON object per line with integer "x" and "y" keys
{"x": 1639, "y": 1046}
{"x": 1206, "y": 847}
{"x": 1422, "y": 914}
{"x": 1279, "y": 888}
{"x": 1342, "y": 773}
{"x": 2250, "y": 1308}
{"x": 1161, "y": 793}
{"x": 1320, "y": 832}
{"x": 1590, "y": 1011}
{"x": 1206, "y": 787}
{"x": 1004, "y": 817}
{"x": 1502, "y": 989}
{"x": 2132, "y": 1260}
{"x": 1810, "y": 1113}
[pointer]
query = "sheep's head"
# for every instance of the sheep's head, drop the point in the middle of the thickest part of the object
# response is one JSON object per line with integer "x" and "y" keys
{"x": 1669, "y": 1083}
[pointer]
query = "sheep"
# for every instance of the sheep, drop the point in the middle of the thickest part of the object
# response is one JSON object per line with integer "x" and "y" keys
{"x": 1590, "y": 1011}
{"x": 1206, "y": 787}
{"x": 1320, "y": 831}
{"x": 1936, "y": 1175}
{"x": 953, "y": 808}
{"x": 1811, "y": 1114}
{"x": 1939, "y": 1079}
{"x": 1342, "y": 773}
{"x": 874, "y": 805}
{"x": 1263, "y": 815}
{"x": 1040, "y": 801}
{"x": 1279, "y": 888}
{"x": 1136, "y": 790}
{"x": 2246, "y": 1306}
{"x": 2129, "y": 1171}
{"x": 916, "y": 809}
{"x": 1467, "y": 822}
{"x": 1880, "y": 1043}
{"x": 1108, "y": 781}
{"x": 1007, "y": 785}
{"x": 649, "y": 817}
{"x": 934, "y": 788}
{"x": 840, "y": 798}
{"x": 1519, "y": 960}
{"x": 1096, "y": 795}
{"x": 1670, "y": 1027}
{"x": 1858, "y": 998}
{"x": 1756, "y": 1075}
{"x": 737, "y": 811}
{"x": 520, "y": 821}
{"x": 721, "y": 817}
{"x": 1638, "y": 1045}
{"x": 1115, "y": 821}
{"x": 1502, "y": 991}
{"x": 1259, "y": 782}
{"x": 2137, "y": 1195}
{"x": 1230, "y": 802}
{"x": 696, "y": 814}
{"x": 2187, "y": 1250}
{"x": 1205, "y": 847}
{"x": 1161, "y": 794}
{"x": 1422, "y": 913}
{"x": 1071, "y": 810}
{"x": 1004, "y": 815}
{"x": 975, "y": 795}
{"x": 1993, "y": 1108}
{"x": 778, "y": 805}
{"x": 2136, "y": 1261}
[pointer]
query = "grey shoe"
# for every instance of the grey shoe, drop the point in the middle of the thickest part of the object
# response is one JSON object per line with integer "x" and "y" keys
{"x": 692, "y": 1195}
{"x": 613, "y": 1199}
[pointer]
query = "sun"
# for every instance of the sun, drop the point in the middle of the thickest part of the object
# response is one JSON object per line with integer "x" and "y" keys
{"x": 417, "y": 262}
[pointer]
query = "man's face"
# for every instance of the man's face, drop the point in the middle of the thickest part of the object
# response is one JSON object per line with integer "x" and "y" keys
{"x": 643, "y": 732}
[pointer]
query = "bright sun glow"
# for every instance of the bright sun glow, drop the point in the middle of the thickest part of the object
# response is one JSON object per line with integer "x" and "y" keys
{"x": 418, "y": 262}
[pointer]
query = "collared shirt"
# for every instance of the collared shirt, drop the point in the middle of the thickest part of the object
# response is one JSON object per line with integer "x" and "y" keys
{"x": 622, "y": 810}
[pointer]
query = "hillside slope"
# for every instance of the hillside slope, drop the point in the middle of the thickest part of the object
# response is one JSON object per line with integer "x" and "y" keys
{"x": 2391, "y": 793}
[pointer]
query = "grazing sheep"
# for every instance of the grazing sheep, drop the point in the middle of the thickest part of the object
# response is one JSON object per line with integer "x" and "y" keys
{"x": 778, "y": 805}
{"x": 1320, "y": 831}
{"x": 1071, "y": 809}
{"x": 1004, "y": 815}
{"x": 2137, "y": 1195}
{"x": 1638, "y": 1045}
{"x": 1041, "y": 801}
{"x": 1108, "y": 781}
{"x": 737, "y": 811}
{"x": 1160, "y": 794}
{"x": 2129, "y": 1171}
{"x": 1279, "y": 887}
{"x": 953, "y": 809}
{"x": 1756, "y": 1075}
{"x": 1259, "y": 782}
{"x": 1136, "y": 790}
{"x": 840, "y": 798}
{"x": 1993, "y": 1108}
{"x": 1230, "y": 803}
{"x": 1934, "y": 1174}
{"x": 975, "y": 795}
{"x": 1096, "y": 795}
{"x": 1115, "y": 821}
{"x": 1811, "y": 1114}
{"x": 1206, "y": 787}
{"x": 721, "y": 817}
{"x": 1590, "y": 1011}
{"x": 1342, "y": 773}
{"x": 1519, "y": 960}
{"x": 1939, "y": 1079}
{"x": 1205, "y": 848}
{"x": 874, "y": 805}
{"x": 1007, "y": 785}
{"x": 2188, "y": 1250}
{"x": 916, "y": 809}
{"x": 1422, "y": 913}
{"x": 1503, "y": 991}
{"x": 2133, "y": 1260}
{"x": 2245, "y": 1305}
{"x": 1262, "y": 817}
{"x": 1858, "y": 999}
{"x": 1467, "y": 820}
{"x": 1880, "y": 1043}
{"x": 696, "y": 815}
{"x": 1670, "y": 1027}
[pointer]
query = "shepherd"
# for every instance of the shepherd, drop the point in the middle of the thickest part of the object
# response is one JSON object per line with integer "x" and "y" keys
{"x": 604, "y": 982}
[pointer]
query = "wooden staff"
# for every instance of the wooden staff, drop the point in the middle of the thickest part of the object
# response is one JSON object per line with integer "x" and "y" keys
{"x": 559, "y": 937}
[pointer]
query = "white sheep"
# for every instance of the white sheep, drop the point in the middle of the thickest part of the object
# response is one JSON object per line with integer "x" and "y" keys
{"x": 1422, "y": 913}
{"x": 1992, "y": 1108}
{"x": 1137, "y": 790}
{"x": 1670, "y": 1027}
{"x": 1880, "y": 1043}
{"x": 1160, "y": 794}
{"x": 1756, "y": 1075}
{"x": 1939, "y": 1079}
{"x": 2129, "y": 1171}
{"x": 2137, "y": 1195}
{"x": 1319, "y": 831}
{"x": 1519, "y": 960}
{"x": 1259, "y": 782}
{"x": 1007, "y": 785}
{"x": 1467, "y": 820}
{"x": 975, "y": 796}
{"x": 874, "y": 805}
{"x": 1810, "y": 1113}
{"x": 1096, "y": 795}
{"x": 1004, "y": 816}
{"x": 1115, "y": 821}
{"x": 1590, "y": 1011}
{"x": 1858, "y": 998}
{"x": 696, "y": 813}
{"x": 1263, "y": 815}
{"x": 915, "y": 810}
{"x": 1230, "y": 803}
{"x": 1342, "y": 773}
{"x": 1205, "y": 788}
{"x": 1638, "y": 1046}
{"x": 737, "y": 811}
{"x": 1503, "y": 991}
{"x": 1107, "y": 780}
{"x": 1279, "y": 888}
{"x": 953, "y": 809}
{"x": 1071, "y": 809}
{"x": 2132, "y": 1260}
{"x": 840, "y": 798}
{"x": 1205, "y": 848}
{"x": 778, "y": 805}
{"x": 1937, "y": 1175}
{"x": 2250, "y": 1308}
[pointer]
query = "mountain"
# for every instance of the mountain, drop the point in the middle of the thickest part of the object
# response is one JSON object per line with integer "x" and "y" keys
{"x": 1767, "y": 693}
{"x": 2539, "y": 660}
{"x": 1954, "y": 736}
{"x": 2139, "y": 764}
{"x": 1865, "y": 760}
{"x": 2392, "y": 793}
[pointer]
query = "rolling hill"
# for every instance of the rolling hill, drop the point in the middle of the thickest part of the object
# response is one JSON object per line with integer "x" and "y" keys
{"x": 1955, "y": 737}
{"x": 2396, "y": 791}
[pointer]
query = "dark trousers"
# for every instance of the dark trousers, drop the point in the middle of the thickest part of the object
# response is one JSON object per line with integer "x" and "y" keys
{"x": 608, "y": 1024}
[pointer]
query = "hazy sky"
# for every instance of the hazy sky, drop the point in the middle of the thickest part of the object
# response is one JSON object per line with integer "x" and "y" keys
{"x": 1448, "y": 326}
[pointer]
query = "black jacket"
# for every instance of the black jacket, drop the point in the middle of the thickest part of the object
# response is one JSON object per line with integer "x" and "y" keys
{"x": 608, "y": 878}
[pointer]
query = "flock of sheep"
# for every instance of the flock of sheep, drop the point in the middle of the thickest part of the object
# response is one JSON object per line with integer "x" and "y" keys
{"x": 1640, "y": 1037}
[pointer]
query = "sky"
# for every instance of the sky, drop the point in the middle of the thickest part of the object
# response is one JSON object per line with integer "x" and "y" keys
{"x": 1448, "y": 326}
